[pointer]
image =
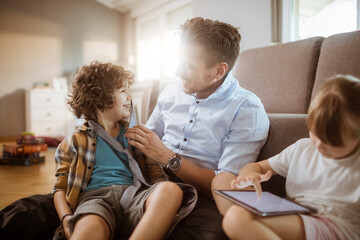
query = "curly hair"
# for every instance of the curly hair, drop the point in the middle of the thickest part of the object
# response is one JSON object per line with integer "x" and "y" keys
{"x": 220, "y": 40}
{"x": 334, "y": 114}
{"x": 93, "y": 88}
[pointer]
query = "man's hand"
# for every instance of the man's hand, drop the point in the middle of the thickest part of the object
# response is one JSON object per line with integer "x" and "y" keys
{"x": 149, "y": 143}
{"x": 253, "y": 179}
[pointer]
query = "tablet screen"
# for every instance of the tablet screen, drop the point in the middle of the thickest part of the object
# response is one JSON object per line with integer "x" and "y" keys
{"x": 268, "y": 204}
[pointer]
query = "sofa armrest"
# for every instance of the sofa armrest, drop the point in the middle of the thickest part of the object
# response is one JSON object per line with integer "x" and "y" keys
{"x": 285, "y": 129}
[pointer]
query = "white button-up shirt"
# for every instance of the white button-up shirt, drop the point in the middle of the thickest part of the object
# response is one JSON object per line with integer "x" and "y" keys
{"x": 222, "y": 132}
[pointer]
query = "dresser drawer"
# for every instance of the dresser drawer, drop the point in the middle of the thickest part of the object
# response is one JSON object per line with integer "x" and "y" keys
{"x": 50, "y": 128}
{"x": 47, "y": 113}
{"x": 47, "y": 99}
{"x": 39, "y": 113}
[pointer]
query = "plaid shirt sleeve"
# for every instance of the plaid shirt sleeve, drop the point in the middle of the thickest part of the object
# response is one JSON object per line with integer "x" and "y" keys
{"x": 64, "y": 155}
{"x": 74, "y": 157}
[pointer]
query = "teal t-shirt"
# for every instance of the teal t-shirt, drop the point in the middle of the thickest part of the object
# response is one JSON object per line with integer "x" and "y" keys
{"x": 110, "y": 168}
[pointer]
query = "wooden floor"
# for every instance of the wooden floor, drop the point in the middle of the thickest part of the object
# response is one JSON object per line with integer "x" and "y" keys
{"x": 21, "y": 181}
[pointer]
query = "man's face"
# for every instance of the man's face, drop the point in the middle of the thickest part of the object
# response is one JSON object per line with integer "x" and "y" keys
{"x": 196, "y": 76}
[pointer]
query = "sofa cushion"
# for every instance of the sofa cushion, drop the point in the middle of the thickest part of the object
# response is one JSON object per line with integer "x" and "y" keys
{"x": 340, "y": 54}
{"x": 148, "y": 100}
{"x": 282, "y": 75}
{"x": 285, "y": 129}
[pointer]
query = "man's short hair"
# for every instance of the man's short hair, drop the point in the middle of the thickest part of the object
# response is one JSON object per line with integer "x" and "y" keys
{"x": 220, "y": 40}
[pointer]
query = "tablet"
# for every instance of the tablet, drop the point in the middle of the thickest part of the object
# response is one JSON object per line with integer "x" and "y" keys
{"x": 268, "y": 205}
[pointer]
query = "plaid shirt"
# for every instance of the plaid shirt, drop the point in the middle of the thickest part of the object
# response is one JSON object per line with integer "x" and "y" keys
{"x": 75, "y": 159}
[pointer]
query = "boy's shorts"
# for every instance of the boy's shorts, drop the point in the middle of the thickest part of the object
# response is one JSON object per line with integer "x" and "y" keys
{"x": 105, "y": 202}
{"x": 317, "y": 227}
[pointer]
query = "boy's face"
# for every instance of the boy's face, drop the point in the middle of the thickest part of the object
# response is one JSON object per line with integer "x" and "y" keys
{"x": 351, "y": 146}
{"x": 196, "y": 76}
{"x": 122, "y": 105}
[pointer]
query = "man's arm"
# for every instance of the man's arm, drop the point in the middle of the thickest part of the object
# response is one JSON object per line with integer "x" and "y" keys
{"x": 199, "y": 177}
{"x": 152, "y": 146}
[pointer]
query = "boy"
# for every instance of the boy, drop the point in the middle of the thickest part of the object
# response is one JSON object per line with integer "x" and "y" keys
{"x": 100, "y": 191}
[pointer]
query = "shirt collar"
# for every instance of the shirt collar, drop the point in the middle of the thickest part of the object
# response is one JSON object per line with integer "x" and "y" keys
{"x": 219, "y": 92}
{"x": 86, "y": 126}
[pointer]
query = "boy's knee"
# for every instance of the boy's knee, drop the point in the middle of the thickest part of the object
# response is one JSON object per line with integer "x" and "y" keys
{"x": 169, "y": 189}
{"x": 87, "y": 223}
{"x": 167, "y": 193}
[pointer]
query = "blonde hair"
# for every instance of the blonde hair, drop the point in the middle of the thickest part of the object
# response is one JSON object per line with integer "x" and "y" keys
{"x": 334, "y": 114}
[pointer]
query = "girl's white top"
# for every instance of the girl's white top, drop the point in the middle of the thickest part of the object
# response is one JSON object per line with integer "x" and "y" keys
{"x": 328, "y": 185}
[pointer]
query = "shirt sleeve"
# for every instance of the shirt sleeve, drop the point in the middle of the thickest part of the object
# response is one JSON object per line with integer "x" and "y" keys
{"x": 280, "y": 163}
{"x": 64, "y": 155}
{"x": 248, "y": 133}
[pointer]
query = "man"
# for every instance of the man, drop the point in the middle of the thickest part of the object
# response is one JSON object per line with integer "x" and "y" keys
{"x": 204, "y": 124}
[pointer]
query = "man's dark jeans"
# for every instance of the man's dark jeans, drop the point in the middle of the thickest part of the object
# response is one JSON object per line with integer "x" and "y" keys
{"x": 35, "y": 217}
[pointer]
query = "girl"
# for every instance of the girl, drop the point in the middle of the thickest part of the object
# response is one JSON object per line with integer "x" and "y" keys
{"x": 322, "y": 172}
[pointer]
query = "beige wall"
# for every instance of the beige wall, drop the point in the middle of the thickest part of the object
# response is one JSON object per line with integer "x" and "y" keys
{"x": 43, "y": 39}
{"x": 253, "y": 18}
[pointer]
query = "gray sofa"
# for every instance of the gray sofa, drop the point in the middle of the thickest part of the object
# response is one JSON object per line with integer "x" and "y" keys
{"x": 286, "y": 77}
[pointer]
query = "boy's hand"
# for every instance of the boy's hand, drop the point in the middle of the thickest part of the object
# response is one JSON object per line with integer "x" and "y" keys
{"x": 252, "y": 180}
{"x": 66, "y": 227}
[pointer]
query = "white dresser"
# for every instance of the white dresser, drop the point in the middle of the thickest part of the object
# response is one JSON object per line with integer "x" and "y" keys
{"x": 47, "y": 113}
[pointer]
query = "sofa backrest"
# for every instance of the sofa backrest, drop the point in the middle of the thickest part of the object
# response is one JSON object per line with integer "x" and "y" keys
{"x": 282, "y": 76}
{"x": 149, "y": 99}
{"x": 339, "y": 54}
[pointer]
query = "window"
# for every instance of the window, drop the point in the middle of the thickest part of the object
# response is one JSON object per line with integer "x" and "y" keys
{"x": 310, "y": 18}
{"x": 157, "y": 40}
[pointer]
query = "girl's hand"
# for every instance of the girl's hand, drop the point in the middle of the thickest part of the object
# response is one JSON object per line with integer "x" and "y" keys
{"x": 251, "y": 180}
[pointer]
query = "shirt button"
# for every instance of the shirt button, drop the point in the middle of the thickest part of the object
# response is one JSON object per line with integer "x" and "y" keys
{"x": 191, "y": 121}
{"x": 94, "y": 144}
{"x": 185, "y": 139}
{"x": 197, "y": 102}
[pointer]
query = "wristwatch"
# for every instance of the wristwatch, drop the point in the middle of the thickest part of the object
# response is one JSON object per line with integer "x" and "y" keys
{"x": 174, "y": 163}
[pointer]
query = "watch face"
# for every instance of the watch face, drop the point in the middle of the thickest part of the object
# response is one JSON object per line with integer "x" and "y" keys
{"x": 174, "y": 163}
